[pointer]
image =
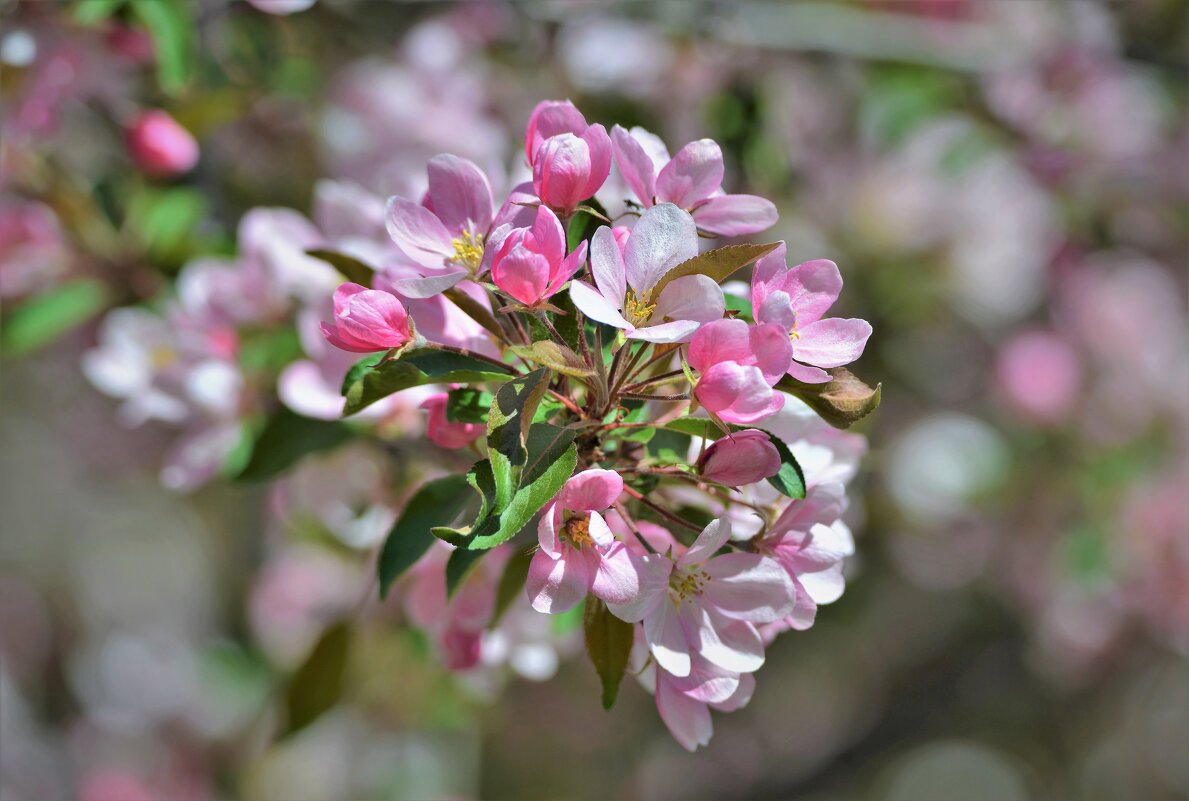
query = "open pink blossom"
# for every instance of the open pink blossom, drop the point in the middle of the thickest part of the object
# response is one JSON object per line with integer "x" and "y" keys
{"x": 160, "y": 146}
{"x": 531, "y": 264}
{"x": 578, "y": 553}
{"x": 708, "y": 605}
{"x": 367, "y": 320}
{"x": 627, "y": 270}
{"x": 569, "y": 168}
{"x": 743, "y": 457}
{"x": 684, "y": 702}
{"x": 796, "y": 298}
{"x": 445, "y": 432}
{"x": 739, "y": 366}
{"x": 811, "y": 543}
{"x": 443, "y": 235}
{"x": 692, "y": 180}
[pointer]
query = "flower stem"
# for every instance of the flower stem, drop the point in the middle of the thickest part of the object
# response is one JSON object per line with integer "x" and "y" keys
{"x": 660, "y": 510}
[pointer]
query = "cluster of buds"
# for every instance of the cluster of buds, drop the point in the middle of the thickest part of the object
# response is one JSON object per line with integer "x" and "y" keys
{"x": 622, "y": 411}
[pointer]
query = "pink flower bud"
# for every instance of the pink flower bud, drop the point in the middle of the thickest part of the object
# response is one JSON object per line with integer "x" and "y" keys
{"x": 160, "y": 146}
{"x": 744, "y": 457}
{"x": 550, "y": 118}
{"x": 568, "y": 168}
{"x": 367, "y": 320}
{"x": 445, "y": 432}
{"x": 531, "y": 264}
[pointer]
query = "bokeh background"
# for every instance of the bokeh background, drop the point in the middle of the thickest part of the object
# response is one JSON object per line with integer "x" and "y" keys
{"x": 1004, "y": 185}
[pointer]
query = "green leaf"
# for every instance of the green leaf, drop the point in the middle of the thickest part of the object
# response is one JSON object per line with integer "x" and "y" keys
{"x": 841, "y": 402}
{"x": 566, "y": 324}
{"x": 609, "y": 644}
{"x": 91, "y": 12}
{"x": 695, "y": 427}
{"x": 352, "y": 269}
{"x": 415, "y": 368}
{"x": 508, "y": 422}
{"x": 170, "y": 26}
{"x": 789, "y": 480}
{"x": 467, "y": 405}
{"x": 437, "y": 502}
{"x": 719, "y": 263}
{"x": 163, "y": 220}
{"x": 551, "y": 459}
{"x": 286, "y": 438}
{"x": 581, "y": 228}
{"x": 318, "y": 684}
{"x": 740, "y": 305}
{"x": 361, "y": 367}
{"x": 459, "y": 566}
{"x": 43, "y": 318}
{"x": 511, "y": 583}
{"x": 558, "y": 358}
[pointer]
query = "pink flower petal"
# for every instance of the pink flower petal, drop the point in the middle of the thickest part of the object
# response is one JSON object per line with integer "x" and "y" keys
{"x": 692, "y": 175}
{"x": 606, "y": 264}
{"x": 599, "y": 144}
{"x": 596, "y": 306}
{"x": 713, "y": 537}
{"x": 664, "y": 236}
{"x": 731, "y": 644}
{"x": 634, "y": 165}
{"x": 771, "y": 350}
{"x": 687, "y": 719}
{"x": 550, "y": 118}
{"x": 832, "y": 342}
{"x": 813, "y": 287}
{"x": 459, "y": 194}
{"x": 591, "y": 490}
{"x": 691, "y": 297}
{"x": 615, "y": 578}
{"x": 557, "y": 585}
{"x": 418, "y": 232}
{"x": 521, "y": 273}
{"x": 720, "y": 341}
{"x": 653, "y": 571}
{"x": 676, "y": 331}
{"x": 427, "y": 286}
{"x": 735, "y": 215}
{"x": 667, "y": 640}
{"x": 807, "y": 374}
{"x": 747, "y": 586}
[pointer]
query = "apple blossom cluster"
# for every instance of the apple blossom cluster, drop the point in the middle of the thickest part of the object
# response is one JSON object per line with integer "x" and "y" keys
{"x": 645, "y": 446}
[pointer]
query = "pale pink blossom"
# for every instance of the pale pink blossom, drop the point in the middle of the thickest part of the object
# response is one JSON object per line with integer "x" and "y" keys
{"x": 795, "y": 299}
{"x": 1039, "y": 374}
{"x": 578, "y": 553}
{"x": 692, "y": 180}
{"x": 627, "y": 268}
{"x": 708, "y": 605}
{"x": 160, "y": 146}
{"x": 811, "y": 543}
{"x": 445, "y": 432}
{"x": 742, "y": 457}
{"x": 684, "y": 702}
{"x": 367, "y": 320}
{"x": 739, "y": 365}
{"x": 531, "y": 264}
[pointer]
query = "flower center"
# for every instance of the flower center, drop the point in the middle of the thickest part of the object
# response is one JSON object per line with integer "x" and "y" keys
{"x": 468, "y": 250}
{"x": 794, "y": 334}
{"x": 162, "y": 356}
{"x": 686, "y": 584}
{"x": 576, "y": 531}
{"x": 638, "y": 307}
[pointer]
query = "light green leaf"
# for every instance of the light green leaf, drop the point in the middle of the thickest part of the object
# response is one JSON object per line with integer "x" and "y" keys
{"x": 285, "y": 439}
{"x": 842, "y": 401}
{"x": 415, "y": 368}
{"x": 719, "y": 263}
{"x": 171, "y": 28}
{"x": 508, "y": 422}
{"x": 609, "y": 644}
{"x": 437, "y": 502}
{"x": 42, "y": 319}
{"x": 558, "y": 358}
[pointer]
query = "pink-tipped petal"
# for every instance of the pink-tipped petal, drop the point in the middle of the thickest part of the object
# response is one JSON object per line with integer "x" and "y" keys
{"x": 738, "y": 393}
{"x": 521, "y": 273}
{"x": 635, "y": 165}
{"x": 550, "y": 118}
{"x": 591, "y": 490}
{"x": 595, "y": 306}
{"x": 606, "y": 264}
{"x": 735, "y": 215}
{"x": 418, "y": 232}
{"x": 720, "y": 341}
{"x": 832, "y": 342}
{"x": 599, "y": 145}
{"x": 549, "y": 235}
{"x": 813, "y": 287}
{"x": 557, "y": 585}
{"x": 459, "y": 194}
{"x": 692, "y": 175}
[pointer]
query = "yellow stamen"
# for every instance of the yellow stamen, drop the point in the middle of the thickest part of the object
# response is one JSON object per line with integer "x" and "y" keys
{"x": 687, "y": 584}
{"x": 638, "y": 307}
{"x": 468, "y": 250}
{"x": 576, "y": 531}
{"x": 794, "y": 334}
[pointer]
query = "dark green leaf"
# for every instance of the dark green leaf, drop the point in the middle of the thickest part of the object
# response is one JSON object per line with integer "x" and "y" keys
{"x": 286, "y": 438}
{"x": 511, "y": 582}
{"x": 741, "y": 306}
{"x": 460, "y": 565}
{"x": 719, "y": 263}
{"x": 318, "y": 684}
{"x": 790, "y": 480}
{"x": 43, "y": 318}
{"x": 437, "y": 502}
{"x": 171, "y": 28}
{"x": 842, "y": 401}
{"x": 415, "y": 368}
{"x": 351, "y": 268}
{"x": 609, "y": 644}
{"x": 467, "y": 405}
